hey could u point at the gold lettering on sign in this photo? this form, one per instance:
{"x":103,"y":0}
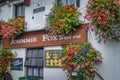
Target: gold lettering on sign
{"x":53,"y":58}
{"x":47,"y":55}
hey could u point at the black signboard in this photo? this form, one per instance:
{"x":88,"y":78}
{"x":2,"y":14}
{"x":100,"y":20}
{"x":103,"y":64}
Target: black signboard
{"x":53,"y":58}
{"x":2,"y":1}
{"x":40,"y":9}
{"x":17,"y":64}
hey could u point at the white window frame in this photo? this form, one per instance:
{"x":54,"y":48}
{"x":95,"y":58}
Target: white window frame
{"x":67,"y":2}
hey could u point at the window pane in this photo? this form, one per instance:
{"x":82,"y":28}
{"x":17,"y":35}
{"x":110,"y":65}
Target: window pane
{"x":36,"y":72}
{"x":40,"y":53}
{"x":41,"y":72}
{"x":70,"y":2}
{"x":29,"y":71}
{"x":64,"y":2}
{"x":33,"y":62}
{"x":34,"y":58}
{"x":78,"y":3}
{"x":20,"y":10}
{"x":29,"y":53}
{"x":40,"y":62}
{"x":28,"y":62}
{"x":35,"y":53}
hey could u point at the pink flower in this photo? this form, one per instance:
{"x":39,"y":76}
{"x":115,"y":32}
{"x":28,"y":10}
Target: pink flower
{"x":104,"y":27}
{"x":9,"y":27}
{"x":75,"y":52}
{"x":82,"y":66}
{"x":78,"y":67}
{"x":83,"y":58}
{"x":99,"y":61}
{"x":88,"y":73}
{"x":91,"y":63}
{"x":88,"y":18}
{"x":106,"y":12}
{"x":89,"y":11}
{"x":113,"y":15}
{"x":75,"y":65}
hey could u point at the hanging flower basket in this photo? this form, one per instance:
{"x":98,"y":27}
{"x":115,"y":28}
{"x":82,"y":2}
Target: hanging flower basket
{"x":105,"y":18}
{"x":81,"y":58}
{"x":12,"y":28}
{"x":62,"y":18}
{"x":6,"y":57}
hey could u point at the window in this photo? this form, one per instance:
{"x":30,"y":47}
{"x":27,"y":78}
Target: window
{"x":70,"y":2}
{"x":19,"y":10}
{"x":34,"y":63}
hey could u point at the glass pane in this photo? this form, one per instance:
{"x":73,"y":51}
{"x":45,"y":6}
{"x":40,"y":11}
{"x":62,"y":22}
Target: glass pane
{"x":34,"y":58}
{"x":40,"y":53}
{"x":33,"y":62}
{"x":29,"y":71}
{"x":64,"y":2}
{"x":29,"y":53}
{"x":28,"y":62}
{"x":35,"y":53}
{"x":36,"y":62}
{"x":22,"y":10}
{"x":18,"y":11}
{"x":41,"y":72}
{"x":36,"y":72}
{"x":70,"y":2}
{"x":39,"y":62}
{"x":78,"y":3}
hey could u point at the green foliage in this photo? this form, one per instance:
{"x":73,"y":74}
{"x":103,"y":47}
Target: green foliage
{"x":62,"y":18}
{"x":6,"y":57}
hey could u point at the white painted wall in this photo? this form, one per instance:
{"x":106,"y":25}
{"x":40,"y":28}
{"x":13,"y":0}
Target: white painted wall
{"x":110,"y":68}
{"x":21,"y":52}
{"x":39,"y":21}
{"x":5,"y":13}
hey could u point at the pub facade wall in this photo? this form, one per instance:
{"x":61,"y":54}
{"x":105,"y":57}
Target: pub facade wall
{"x":109,"y":69}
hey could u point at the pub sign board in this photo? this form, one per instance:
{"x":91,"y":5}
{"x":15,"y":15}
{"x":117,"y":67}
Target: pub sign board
{"x":44,"y":38}
{"x":53,"y":58}
{"x":17,"y":64}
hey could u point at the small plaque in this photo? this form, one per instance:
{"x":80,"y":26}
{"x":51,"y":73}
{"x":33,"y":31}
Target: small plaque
{"x":40,"y":9}
{"x":17,"y":64}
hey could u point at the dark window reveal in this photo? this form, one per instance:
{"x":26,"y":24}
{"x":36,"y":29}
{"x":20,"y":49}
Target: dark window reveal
{"x":19,"y":10}
{"x":2,"y":1}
